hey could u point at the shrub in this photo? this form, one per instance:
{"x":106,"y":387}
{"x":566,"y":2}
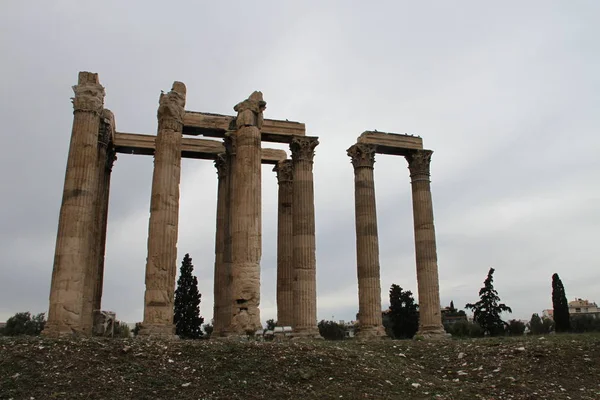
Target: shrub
{"x":515,"y":327}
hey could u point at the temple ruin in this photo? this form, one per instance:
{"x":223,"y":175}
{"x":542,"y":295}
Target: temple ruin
{"x":234,"y":143}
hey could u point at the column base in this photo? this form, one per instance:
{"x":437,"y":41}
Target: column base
{"x":371,"y":333}
{"x":432,"y":333}
{"x":158,"y":331}
{"x":57,"y":330}
{"x":306,"y":334}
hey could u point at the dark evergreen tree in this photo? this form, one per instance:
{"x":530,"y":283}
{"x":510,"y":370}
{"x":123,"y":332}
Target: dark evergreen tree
{"x":23,"y":323}
{"x":486,"y":312}
{"x":562,"y":322}
{"x":331,"y":330}
{"x":404,"y":313}
{"x":186,"y":317}
{"x":452,"y":309}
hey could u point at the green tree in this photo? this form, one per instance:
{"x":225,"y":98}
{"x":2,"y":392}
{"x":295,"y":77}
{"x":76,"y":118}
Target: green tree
{"x":515,"y":327}
{"x":403,"y":314}
{"x":136,"y":328}
{"x":486,"y":312}
{"x":23,"y":323}
{"x":271,"y":324}
{"x":208,"y":330}
{"x":331,"y":330}
{"x":186,"y":317}
{"x":539,"y":326}
{"x":560,"y":305}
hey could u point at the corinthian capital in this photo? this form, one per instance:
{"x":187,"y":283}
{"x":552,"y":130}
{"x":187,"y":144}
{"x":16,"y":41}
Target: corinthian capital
{"x":284,"y":170}
{"x":89,"y":94}
{"x":171,"y":108}
{"x":303,"y":148}
{"x":250,"y":111}
{"x":222,"y":165}
{"x":363,"y":155}
{"x":418,"y":164}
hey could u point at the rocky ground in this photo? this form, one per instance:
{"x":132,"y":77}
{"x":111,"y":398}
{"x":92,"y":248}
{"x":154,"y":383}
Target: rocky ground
{"x":551,"y":367}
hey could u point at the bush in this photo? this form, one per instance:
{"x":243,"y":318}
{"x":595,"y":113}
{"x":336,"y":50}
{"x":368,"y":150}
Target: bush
{"x":540,"y":326}
{"x":23,"y":323}
{"x":515,"y":327}
{"x":331,"y":330}
{"x":464,"y":329}
{"x":585,"y":323}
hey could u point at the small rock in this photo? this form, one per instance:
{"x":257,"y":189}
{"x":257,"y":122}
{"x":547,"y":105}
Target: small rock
{"x":186,"y":384}
{"x":386,"y":381}
{"x":416,"y":385}
{"x":520,"y":348}
{"x":461,"y":355}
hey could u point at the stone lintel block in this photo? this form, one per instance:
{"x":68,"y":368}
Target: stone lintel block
{"x":86,"y":77}
{"x":217,"y":125}
{"x":391,"y":143}
{"x":207,"y":149}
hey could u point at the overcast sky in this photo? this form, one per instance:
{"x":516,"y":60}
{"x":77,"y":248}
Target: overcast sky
{"x":506,"y":94}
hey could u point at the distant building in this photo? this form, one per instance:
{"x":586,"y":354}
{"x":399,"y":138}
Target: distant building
{"x":577,"y":307}
{"x":584,"y":307}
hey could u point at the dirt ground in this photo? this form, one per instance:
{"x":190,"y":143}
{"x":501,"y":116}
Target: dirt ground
{"x":551,"y":367}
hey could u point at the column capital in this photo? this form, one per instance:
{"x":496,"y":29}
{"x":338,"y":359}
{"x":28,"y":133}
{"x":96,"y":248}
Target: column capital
{"x":418,"y":164}
{"x":362,"y":154}
{"x":250,"y":111}
{"x":284,"y":170}
{"x":229,"y":141}
{"x":89,"y":94}
{"x":171,"y":108}
{"x":222,"y":165}
{"x":303,"y":148}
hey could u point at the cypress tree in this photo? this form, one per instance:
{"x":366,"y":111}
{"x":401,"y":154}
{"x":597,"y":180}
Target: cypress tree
{"x":486,"y":312}
{"x":560,"y":306}
{"x":186,"y":316}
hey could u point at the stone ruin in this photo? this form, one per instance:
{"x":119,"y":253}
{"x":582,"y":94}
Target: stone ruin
{"x":234,"y":143}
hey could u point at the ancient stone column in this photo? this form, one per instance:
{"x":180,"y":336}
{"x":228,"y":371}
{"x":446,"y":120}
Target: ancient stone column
{"x":303,"y":220}
{"x":106,"y":158}
{"x":285,"y":244}
{"x":161,"y":264}
{"x":224,"y":328}
{"x":367,"y":243}
{"x":221,"y":273}
{"x":430,"y":318}
{"x":75,"y":240}
{"x":246,"y":216}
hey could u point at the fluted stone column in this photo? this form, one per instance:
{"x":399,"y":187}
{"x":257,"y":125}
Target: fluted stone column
{"x":367,"y":243}
{"x":303,"y":220}
{"x":161,"y":264}
{"x":221,"y":273}
{"x":246,"y":216}
{"x":75,"y":240}
{"x":226,"y":312}
{"x":285,"y":244}
{"x":106,"y":158}
{"x":430,"y":318}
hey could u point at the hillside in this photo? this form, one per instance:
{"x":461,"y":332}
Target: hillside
{"x":551,"y":367}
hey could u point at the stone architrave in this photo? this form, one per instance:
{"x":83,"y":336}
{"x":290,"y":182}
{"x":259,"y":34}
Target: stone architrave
{"x":161,"y":264}
{"x":75,"y":240}
{"x":285,"y":244}
{"x":246,"y":217}
{"x":303,"y":220}
{"x":106,"y":158}
{"x":367,"y":243}
{"x":221,"y":272}
{"x":430,"y":318}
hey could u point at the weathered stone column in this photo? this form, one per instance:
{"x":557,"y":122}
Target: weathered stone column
{"x":367,"y":243}
{"x":246,"y":216}
{"x":430,"y":318}
{"x":221,"y":273}
{"x":161,"y":264}
{"x":303,"y":220}
{"x":226,"y":313}
{"x":106,"y":158}
{"x":76,"y":225}
{"x":285,"y":244}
